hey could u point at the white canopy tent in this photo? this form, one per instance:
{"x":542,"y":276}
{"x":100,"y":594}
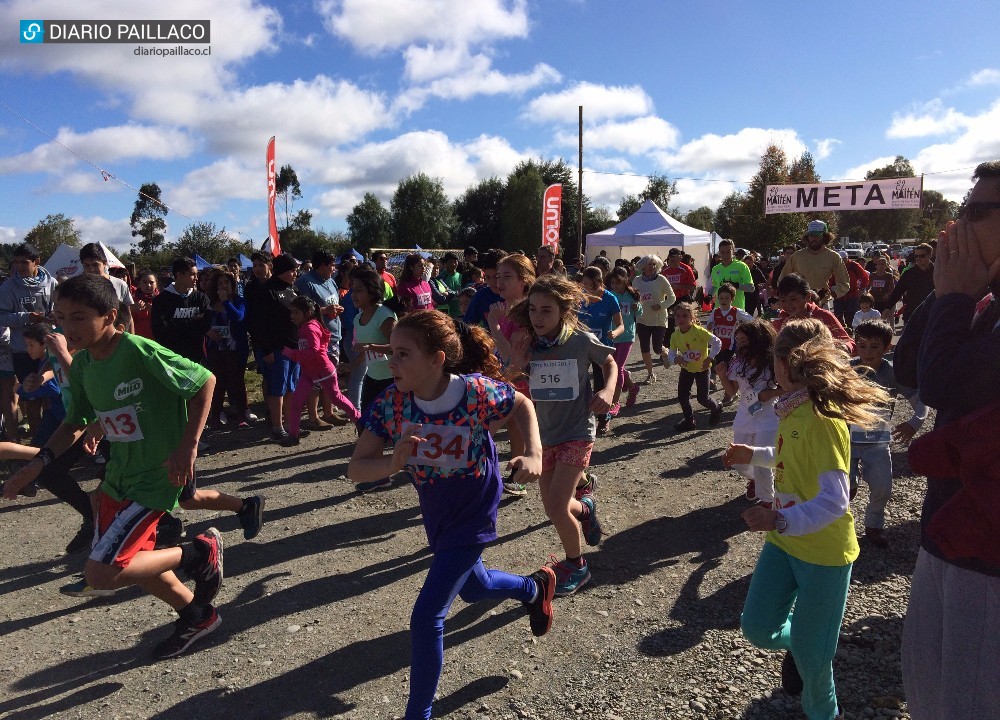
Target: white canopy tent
{"x":650,"y":231}
{"x":65,"y":261}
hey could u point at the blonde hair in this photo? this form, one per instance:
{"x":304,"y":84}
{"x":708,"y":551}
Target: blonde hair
{"x":568,"y":296}
{"x":835,"y":389}
{"x":522,"y":266}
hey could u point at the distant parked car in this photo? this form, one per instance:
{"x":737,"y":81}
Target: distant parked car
{"x":878,"y":249}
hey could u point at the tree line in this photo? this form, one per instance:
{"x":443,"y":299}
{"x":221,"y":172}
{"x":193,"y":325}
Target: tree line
{"x":506,"y":213}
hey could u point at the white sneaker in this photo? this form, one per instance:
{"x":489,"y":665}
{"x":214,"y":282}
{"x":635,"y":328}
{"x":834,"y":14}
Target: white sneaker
{"x":250,"y":417}
{"x":223,"y":420}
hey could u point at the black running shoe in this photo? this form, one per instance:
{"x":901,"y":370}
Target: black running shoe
{"x":791,"y":681}
{"x":715,"y":416}
{"x":169,"y":531}
{"x":251,"y":516}
{"x":685,"y":425}
{"x":186,"y":633}
{"x":540,"y":609}
{"x":208,"y":577}
{"x":83,"y":539}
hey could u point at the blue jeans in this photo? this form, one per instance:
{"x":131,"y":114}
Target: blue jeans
{"x":873,"y":464}
{"x":453,"y":572}
{"x":811,"y":632}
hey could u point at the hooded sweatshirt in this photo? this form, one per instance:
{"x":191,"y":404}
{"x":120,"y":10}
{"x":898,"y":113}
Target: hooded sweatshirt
{"x":311,"y":353}
{"x":181,"y":321}
{"x":20,"y":296}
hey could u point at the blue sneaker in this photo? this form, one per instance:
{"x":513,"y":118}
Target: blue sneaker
{"x":569,"y":578}
{"x":591,"y":525}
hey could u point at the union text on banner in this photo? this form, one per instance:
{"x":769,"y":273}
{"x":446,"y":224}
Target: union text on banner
{"x":273,"y":243}
{"x":551,"y":215}
{"x":888,"y":194}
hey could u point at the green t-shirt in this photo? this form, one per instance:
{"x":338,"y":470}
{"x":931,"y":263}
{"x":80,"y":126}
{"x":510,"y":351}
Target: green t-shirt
{"x":452,"y":281}
{"x":809,"y":445}
{"x":736,"y":273}
{"x":139,"y":395}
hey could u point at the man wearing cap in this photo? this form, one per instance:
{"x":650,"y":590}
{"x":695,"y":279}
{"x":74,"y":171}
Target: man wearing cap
{"x":817,"y":263}
{"x":846,"y":305}
{"x":731,"y":270}
{"x":277,"y":331}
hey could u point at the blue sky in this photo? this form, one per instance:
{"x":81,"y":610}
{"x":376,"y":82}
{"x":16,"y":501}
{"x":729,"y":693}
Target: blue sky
{"x":361,"y":93}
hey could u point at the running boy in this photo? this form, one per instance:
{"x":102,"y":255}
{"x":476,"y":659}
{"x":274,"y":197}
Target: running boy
{"x":722,"y":321}
{"x":870,"y":456}
{"x":152,"y":404}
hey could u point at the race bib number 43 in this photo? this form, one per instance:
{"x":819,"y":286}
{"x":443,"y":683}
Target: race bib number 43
{"x":444,"y":446}
{"x":121,"y":425}
{"x":554,"y":380}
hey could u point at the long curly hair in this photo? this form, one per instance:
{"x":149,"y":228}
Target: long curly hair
{"x":836,"y":390}
{"x":567,"y":295}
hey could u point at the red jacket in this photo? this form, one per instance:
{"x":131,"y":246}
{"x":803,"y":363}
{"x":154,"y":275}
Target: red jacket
{"x":826,"y":317}
{"x":314,"y":339}
{"x":967,"y":525}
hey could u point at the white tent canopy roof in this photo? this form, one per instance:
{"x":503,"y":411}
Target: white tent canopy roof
{"x":649,"y":230}
{"x":65,"y":261}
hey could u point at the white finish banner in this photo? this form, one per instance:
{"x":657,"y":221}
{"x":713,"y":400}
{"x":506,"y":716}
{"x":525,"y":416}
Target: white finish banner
{"x":889,"y":194}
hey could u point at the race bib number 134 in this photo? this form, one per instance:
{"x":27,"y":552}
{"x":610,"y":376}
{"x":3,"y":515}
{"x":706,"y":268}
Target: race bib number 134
{"x":444,"y":446}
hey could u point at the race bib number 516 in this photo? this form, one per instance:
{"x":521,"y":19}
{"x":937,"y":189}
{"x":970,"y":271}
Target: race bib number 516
{"x":444,"y":446}
{"x":121,"y":425}
{"x":554,"y":380}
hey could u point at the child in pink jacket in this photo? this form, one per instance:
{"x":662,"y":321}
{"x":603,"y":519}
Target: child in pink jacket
{"x":317,"y":368}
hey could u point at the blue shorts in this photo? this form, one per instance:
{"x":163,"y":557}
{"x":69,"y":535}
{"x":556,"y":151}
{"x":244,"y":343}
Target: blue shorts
{"x":280,"y":376}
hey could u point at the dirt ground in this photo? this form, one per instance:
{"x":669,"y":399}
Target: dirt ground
{"x":316,"y":609}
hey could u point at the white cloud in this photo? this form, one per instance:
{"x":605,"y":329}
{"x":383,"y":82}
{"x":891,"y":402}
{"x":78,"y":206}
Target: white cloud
{"x":477,"y":78}
{"x":305,"y":115}
{"x":378,"y":167}
{"x":986,"y":76}
{"x":207,"y":188}
{"x":83,"y":183}
{"x":378,"y":25}
{"x":10,"y":235}
{"x":949,"y":164}
{"x":693,"y":194}
{"x":737,"y":155}
{"x":102,"y":146}
{"x":634,"y":136}
{"x":115,"y":233}
{"x":610,"y":163}
{"x":933,"y":118}
{"x":608,"y":190}
{"x":824,"y":147}
{"x":600,"y":102}
{"x":858,"y":172}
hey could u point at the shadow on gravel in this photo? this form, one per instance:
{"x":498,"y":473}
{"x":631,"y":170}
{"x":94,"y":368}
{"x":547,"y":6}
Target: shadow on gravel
{"x":65,"y":704}
{"x":314,"y":688}
{"x":696,"y":615}
{"x":643,"y":549}
{"x":473,"y":692}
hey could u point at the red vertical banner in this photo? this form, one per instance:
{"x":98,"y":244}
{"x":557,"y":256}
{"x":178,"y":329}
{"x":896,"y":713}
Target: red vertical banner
{"x":273,"y":242}
{"x":551,"y":216}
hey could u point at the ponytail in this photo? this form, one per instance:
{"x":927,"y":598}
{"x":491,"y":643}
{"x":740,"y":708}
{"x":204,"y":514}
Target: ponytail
{"x":467,"y":349}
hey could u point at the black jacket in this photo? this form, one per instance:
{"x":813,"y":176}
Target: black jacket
{"x":181,"y":321}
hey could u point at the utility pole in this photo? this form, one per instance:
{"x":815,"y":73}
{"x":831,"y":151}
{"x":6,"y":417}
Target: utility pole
{"x":580,"y":247}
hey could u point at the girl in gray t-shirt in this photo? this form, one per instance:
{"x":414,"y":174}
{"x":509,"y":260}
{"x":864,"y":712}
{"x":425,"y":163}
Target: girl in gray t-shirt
{"x":558,"y":363}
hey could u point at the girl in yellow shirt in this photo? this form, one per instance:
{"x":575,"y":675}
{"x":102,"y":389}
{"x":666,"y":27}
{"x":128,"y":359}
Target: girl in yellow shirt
{"x":811,"y":545}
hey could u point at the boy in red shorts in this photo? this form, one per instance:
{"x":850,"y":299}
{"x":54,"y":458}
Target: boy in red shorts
{"x":152,"y":405}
